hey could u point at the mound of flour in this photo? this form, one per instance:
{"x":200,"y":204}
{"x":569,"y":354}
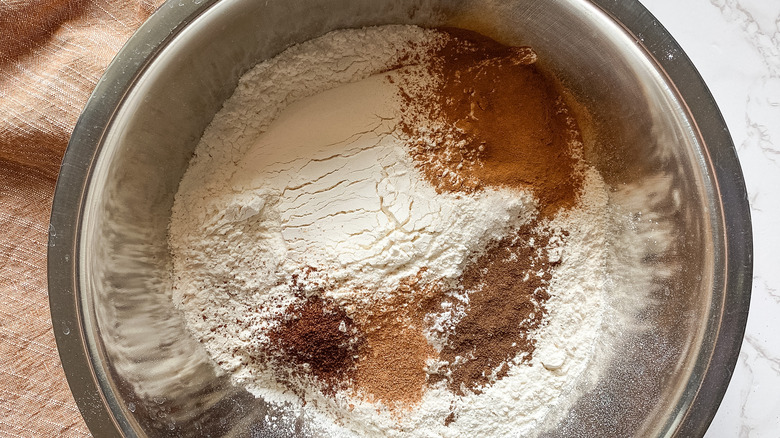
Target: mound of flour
{"x":304,"y":170}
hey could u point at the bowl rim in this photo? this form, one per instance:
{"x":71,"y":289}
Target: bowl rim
{"x":100,"y":410}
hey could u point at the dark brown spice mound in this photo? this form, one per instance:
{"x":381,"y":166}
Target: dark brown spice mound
{"x":319,"y":337}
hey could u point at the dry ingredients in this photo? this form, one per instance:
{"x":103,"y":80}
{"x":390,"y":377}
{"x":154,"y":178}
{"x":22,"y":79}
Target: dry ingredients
{"x":393,"y":231}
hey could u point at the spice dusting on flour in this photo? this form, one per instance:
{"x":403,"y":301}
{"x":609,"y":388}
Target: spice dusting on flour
{"x":382,"y":228}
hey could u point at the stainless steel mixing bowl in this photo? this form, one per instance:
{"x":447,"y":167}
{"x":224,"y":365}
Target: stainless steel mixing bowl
{"x":656,"y":135}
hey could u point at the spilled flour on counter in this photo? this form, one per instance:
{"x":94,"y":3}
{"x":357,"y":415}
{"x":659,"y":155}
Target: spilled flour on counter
{"x":375,"y":234}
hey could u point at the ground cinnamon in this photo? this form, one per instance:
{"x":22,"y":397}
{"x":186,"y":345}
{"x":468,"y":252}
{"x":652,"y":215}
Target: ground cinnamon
{"x":491,"y":118}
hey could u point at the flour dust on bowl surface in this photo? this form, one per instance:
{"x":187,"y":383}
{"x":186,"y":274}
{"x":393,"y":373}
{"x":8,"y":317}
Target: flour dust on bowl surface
{"x":400,"y":219}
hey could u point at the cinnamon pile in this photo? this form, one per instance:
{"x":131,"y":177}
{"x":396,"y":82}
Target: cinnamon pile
{"x":492,"y":118}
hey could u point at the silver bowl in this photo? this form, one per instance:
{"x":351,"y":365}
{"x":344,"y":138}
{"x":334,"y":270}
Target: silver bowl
{"x":656,"y":136}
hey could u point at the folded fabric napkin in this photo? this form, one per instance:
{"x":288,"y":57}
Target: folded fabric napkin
{"x":52,"y":53}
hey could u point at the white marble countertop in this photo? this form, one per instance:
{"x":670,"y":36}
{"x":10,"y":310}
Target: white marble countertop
{"x":735,"y":44}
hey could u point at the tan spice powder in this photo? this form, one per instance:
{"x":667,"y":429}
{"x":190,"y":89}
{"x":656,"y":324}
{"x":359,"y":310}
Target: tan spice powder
{"x":392,"y":360}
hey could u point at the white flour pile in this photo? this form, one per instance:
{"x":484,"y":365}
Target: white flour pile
{"x":304,"y":185}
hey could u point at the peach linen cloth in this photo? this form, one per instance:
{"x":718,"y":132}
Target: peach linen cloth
{"x":52,"y":53}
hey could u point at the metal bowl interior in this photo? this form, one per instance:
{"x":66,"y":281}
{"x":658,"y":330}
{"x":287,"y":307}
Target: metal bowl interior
{"x":654,"y":133}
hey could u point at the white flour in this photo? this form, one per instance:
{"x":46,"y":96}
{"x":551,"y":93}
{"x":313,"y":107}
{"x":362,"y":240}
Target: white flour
{"x":304,"y":168}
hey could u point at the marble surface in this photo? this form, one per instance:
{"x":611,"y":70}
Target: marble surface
{"x":735,"y":44}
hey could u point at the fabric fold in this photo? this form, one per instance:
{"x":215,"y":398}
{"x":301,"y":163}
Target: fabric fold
{"x":52,"y":54}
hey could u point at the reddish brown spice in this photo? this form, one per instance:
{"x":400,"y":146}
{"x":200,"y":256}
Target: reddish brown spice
{"x":491,"y":118}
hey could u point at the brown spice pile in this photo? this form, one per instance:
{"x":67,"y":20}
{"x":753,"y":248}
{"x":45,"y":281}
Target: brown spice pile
{"x":391,"y":367}
{"x":317,"y":336}
{"x":507,"y":289}
{"x":491,"y":118}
